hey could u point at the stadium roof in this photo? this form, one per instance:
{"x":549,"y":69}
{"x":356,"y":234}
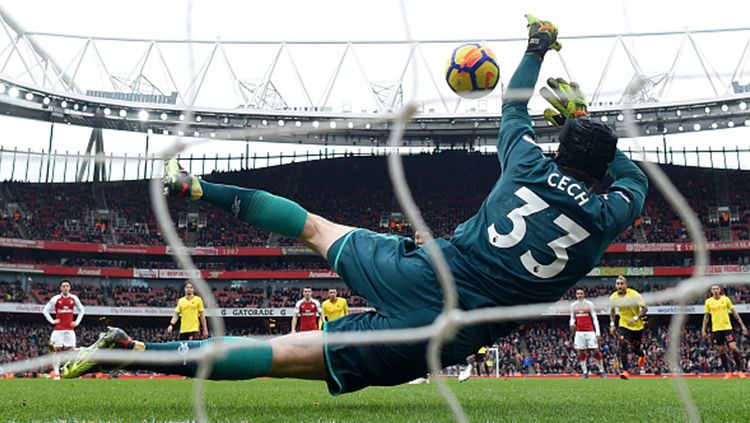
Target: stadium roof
{"x":339,"y":73}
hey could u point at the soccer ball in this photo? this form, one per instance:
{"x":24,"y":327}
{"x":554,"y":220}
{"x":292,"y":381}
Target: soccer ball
{"x":472,"y":71}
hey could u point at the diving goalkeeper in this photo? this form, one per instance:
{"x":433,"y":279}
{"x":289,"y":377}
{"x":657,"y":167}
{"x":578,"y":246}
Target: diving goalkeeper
{"x":540,"y":230}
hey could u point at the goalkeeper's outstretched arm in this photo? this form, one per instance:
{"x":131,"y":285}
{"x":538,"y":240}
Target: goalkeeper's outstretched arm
{"x":516,"y":121}
{"x":542,"y":38}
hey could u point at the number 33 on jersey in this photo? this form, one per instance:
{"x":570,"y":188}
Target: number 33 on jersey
{"x":539,"y":231}
{"x":534,"y":204}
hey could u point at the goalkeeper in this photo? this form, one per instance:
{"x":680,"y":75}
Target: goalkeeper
{"x":539,"y":231}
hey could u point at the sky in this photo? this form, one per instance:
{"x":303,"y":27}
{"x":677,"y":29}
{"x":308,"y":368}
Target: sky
{"x":363,"y":20}
{"x":286,"y":20}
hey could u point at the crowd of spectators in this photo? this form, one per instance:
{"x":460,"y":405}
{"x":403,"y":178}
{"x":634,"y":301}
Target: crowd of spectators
{"x":148,"y":296}
{"x":237,"y":297}
{"x":233,"y":263}
{"x":21,"y":341}
{"x":234,"y":297}
{"x":352,"y":191}
{"x":136,"y":296}
{"x":12,"y":292}
{"x":666,"y":260}
{"x":88,"y":294}
{"x":279,"y":296}
{"x":251,"y":263}
{"x":737,"y":294}
{"x":547,"y":348}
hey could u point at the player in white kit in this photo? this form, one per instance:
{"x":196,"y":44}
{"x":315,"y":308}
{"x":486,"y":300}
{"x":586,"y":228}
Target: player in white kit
{"x":63,"y":336}
{"x":584,"y":323}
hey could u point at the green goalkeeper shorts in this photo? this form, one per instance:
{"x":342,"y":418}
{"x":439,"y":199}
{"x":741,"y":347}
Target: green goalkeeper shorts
{"x":397,"y":279}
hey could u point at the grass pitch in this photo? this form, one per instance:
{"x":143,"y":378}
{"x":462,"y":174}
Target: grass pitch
{"x":265,"y":400}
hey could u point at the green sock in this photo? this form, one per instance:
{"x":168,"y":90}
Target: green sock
{"x":251,"y":361}
{"x":258,"y":208}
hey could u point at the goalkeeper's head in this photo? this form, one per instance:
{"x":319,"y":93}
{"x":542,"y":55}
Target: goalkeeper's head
{"x":586,"y":149}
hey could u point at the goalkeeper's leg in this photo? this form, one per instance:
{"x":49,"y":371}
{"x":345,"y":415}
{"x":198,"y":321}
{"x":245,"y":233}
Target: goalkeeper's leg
{"x":258,"y":208}
{"x":299,"y":356}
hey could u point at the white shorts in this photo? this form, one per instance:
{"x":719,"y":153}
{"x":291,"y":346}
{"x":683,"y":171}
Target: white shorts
{"x":586,"y":341}
{"x":63,"y":339}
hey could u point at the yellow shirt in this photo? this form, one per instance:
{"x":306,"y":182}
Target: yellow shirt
{"x":719,"y":310}
{"x":333,"y":311}
{"x":188,"y":311}
{"x":628,"y":312}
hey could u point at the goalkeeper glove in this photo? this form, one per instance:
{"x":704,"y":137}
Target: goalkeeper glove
{"x":178,"y":183}
{"x":567,"y":98}
{"x":542,"y":37}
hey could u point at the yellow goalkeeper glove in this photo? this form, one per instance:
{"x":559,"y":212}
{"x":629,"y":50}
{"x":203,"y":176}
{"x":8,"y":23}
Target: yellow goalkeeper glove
{"x":542,"y":36}
{"x":567,"y":98}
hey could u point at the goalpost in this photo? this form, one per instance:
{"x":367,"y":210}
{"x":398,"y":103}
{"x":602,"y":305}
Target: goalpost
{"x":495,"y":354}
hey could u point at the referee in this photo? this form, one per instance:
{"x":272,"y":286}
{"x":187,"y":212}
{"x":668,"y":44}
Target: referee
{"x":190,"y":308}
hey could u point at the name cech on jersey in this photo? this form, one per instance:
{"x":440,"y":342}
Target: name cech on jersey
{"x":574,"y":190}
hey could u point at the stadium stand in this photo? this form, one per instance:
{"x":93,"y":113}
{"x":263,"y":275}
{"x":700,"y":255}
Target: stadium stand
{"x":233,"y":263}
{"x":291,"y":264}
{"x":117,"y":215}
{"x":270,"y":294}
{"x":316,"y":263}
{"x":91,"y":295}
{"x":46,"y":211}
{"x":11,"y":292}
{"x":537,"y":350}
{"x":167,"y":296}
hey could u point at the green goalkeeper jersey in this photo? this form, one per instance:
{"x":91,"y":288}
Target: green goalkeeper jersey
{"x":540,"y":231}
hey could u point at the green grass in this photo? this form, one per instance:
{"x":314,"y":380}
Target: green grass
{"x":485,"y":400}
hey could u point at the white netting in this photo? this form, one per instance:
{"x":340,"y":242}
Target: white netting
{"x":451,"y":319}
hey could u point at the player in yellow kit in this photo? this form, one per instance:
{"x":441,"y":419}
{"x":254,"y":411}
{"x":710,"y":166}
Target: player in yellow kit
{"x":631,"y":307}
{"x":334,"y":307}
{"x":193,"y":317}
{"x":717,"y":309}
